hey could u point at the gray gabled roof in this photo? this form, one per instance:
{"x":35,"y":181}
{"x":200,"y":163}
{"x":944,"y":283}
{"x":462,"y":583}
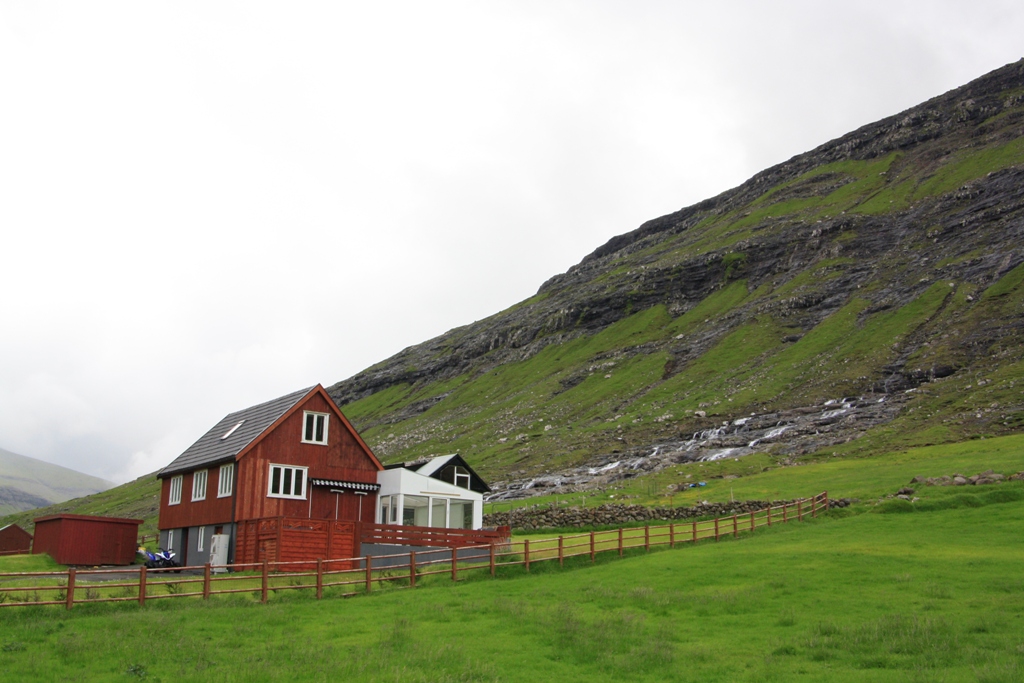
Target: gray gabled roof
{"x":434,"y":464}
{"x":212,"y":448}
{"x":431,"y":467}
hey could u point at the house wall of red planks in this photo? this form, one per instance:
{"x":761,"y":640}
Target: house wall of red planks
{"x":342,"y":458}
{"x":188,"y":512}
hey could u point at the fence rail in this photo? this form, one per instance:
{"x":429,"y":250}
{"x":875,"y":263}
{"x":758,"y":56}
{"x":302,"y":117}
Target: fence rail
{"x":431,"y":536}
{"x":357,"y":575}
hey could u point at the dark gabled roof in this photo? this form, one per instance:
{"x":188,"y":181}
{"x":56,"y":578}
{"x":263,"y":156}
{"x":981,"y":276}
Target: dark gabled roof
{"x":212,"y":448}
{"x":431,"y":467}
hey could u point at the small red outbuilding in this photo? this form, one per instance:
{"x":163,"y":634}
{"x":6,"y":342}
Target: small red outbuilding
{"x":14,"y":540}
{"x":79,"y":539}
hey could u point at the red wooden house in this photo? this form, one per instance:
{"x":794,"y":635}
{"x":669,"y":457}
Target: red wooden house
{"x":284,"y":480}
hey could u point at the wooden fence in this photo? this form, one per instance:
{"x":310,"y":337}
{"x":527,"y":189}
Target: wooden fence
{"x":398,"y":534}
{"x":356,"y":575}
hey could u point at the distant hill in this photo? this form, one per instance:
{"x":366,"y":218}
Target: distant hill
{"x":139,"y":499}
{"x":27,"y":483}
{"x":885,"y":267}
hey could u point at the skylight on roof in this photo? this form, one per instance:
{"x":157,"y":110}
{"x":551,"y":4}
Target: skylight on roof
{"x":232,"y":430}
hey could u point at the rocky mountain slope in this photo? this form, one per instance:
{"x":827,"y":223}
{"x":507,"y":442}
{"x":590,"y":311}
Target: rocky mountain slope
{"x":867,"y":294}
{"x":27,"y":483}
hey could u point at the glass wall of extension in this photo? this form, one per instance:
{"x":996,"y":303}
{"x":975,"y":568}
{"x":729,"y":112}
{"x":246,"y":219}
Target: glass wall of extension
{"x":433,"y":511}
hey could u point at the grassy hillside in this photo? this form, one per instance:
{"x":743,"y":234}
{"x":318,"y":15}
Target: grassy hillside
{"x":877,"y":264}
{"x":597,"y":393}
{"x":26,"y":483}
{"x":934,"y":595}
{"x":866,"y":478}
{"x":139,"y":499}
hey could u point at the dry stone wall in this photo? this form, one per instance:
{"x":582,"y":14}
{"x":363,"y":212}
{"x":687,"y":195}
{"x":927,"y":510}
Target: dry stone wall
{"x":612,"y":514}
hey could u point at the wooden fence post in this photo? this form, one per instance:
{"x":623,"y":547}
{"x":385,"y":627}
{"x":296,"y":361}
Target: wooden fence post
{"x":266,"y":580}
{"x":825,"y":494}
{"x":492,"y":559}
{"x":799,"y":511}
{"x":647,"y":537}
{"x":412,"y":568}
{"x":620,"y":541}
{"x":592,"y":548}
{"x":735,"y":526}
{"x":206,"y":582}
{"x":69,"y":598}
{"x":814,"y":506}
{"x":142,"y":585}
{"x":319,"y":578}
{"x":671,"y":535}
{"x":369,"y":573}
{"x":753,"y":523}
{"x":695,"y":532}
{"x":455,"y":564}
{"x":561,"y":552}
{"x":526,"y":553}
{"x":769,"y":514}
{"x":785,"y":512}
{"x":716,"y":528}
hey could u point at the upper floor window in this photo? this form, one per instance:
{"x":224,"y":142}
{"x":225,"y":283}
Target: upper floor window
{"x":199,"y":485}
{"x":175,"y":495}
{"x":226,"y":480}
{"x":287,"y":481}
{"x":315,"y":427}
{"x":456,"y":474}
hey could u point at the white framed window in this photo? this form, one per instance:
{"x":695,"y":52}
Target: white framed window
{"x":314,"y":427}
{"x":201,"y":539}
{"x":199,"y":485}
{"x":174,"y":497}
{"x":170,"y":539}
{"x":226,"y":480}
{"x":287,"y":481}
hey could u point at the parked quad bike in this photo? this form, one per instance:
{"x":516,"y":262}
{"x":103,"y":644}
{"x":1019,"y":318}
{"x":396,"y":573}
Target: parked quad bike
{"x":161,"y":559}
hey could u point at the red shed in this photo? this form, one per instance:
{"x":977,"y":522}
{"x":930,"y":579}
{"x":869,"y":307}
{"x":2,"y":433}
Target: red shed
{"x":14,"y":540}
{"x":79,"y":539}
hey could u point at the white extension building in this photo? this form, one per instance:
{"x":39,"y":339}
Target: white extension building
{"x":441,"y":492}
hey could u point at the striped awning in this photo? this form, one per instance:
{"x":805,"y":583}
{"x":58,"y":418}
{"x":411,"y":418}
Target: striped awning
{"x":353,"y":485}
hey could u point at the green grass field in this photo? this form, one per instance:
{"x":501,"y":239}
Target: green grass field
{"x":860,"y":595}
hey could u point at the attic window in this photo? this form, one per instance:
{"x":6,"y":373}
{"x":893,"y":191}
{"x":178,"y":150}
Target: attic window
{"x":314,"y":428}
{"x":232,"y":430}
{"x":456,"y":474}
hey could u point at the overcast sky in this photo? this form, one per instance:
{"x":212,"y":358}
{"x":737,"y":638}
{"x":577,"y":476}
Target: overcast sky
{"x":206,"y":205}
